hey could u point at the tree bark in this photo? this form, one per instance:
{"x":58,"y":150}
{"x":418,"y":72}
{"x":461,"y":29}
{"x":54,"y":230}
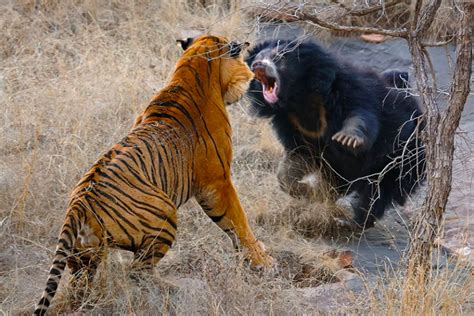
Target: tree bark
{"x":439,"y":138}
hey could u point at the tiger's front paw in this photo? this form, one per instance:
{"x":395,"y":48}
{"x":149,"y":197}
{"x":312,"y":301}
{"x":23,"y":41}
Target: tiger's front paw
{"x":258,"y":258}
{"x":348,"y":139}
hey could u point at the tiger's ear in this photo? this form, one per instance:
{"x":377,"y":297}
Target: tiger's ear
{"x":185,"y":43}
{"x":236,"y":48}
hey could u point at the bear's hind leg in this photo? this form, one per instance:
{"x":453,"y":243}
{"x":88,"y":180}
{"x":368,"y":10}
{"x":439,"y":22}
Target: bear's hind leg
{"x":370,"y":205}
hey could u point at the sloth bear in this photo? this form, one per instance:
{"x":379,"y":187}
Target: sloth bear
{"x":360,"y":129}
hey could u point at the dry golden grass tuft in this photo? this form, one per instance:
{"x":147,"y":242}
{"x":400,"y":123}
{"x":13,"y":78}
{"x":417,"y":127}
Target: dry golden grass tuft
{"x":73,"y":76}
{"x":449,"y":292}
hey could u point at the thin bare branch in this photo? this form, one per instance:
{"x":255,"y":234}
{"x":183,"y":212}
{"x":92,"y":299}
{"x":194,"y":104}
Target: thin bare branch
{"x":369,"y":10}
{"x":432,"y":69}
{"x":427,"y":16}
{"x":438,"y":44}
{"x":460,"y":87}
{"x":416,"y":14}
{"x":313,"y":19}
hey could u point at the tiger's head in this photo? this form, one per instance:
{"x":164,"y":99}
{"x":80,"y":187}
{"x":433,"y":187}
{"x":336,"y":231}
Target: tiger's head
{"x":225,"y":60}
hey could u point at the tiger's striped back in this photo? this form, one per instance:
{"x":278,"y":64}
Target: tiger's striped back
{"x":151,"y":156}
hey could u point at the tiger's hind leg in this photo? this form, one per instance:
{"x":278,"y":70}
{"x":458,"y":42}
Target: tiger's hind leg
{"x":153,"y":249}
{"x":157,"y":240}
{"x":85,"y":259}
{"x":83,"y":264}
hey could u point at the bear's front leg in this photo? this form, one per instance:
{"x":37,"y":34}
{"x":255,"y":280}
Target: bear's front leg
{"x":292,"y":172}
{"x":358,"y":133}
{"x":221,"y":203}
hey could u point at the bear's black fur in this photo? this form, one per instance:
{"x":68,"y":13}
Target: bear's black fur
{"x":353,"y":124}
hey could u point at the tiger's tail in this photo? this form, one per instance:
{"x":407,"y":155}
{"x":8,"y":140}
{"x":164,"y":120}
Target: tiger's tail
{"x":67,"y":238}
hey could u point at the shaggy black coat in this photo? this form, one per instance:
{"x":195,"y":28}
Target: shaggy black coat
{"x":358,"y":126}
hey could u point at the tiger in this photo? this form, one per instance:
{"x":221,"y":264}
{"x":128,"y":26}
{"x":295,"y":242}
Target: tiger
{"x":179,"y":147}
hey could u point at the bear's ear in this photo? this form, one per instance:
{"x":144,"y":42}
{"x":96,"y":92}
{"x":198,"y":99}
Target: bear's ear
{"x":236,"y":48}
{"x":185,"y":43}
{"x":396,"y":78}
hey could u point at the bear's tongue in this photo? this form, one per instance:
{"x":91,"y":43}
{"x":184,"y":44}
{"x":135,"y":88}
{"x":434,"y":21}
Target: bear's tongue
{"x":270,"y":92}
{"x":269,"y":85}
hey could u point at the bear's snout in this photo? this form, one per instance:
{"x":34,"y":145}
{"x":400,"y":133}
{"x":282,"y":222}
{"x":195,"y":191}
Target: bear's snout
{"x":257,"y":64}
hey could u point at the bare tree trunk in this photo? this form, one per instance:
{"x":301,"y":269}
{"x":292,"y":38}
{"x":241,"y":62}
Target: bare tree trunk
{"x":439,"y":138}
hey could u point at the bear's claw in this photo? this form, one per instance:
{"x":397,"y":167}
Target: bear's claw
{"x":348,"y":140}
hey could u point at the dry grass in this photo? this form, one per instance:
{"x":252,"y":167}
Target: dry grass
{"x":449,"y":292}
{"x":73,"y":75}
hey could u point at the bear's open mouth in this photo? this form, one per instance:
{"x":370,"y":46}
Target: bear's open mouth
{"x":269,"y":84}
